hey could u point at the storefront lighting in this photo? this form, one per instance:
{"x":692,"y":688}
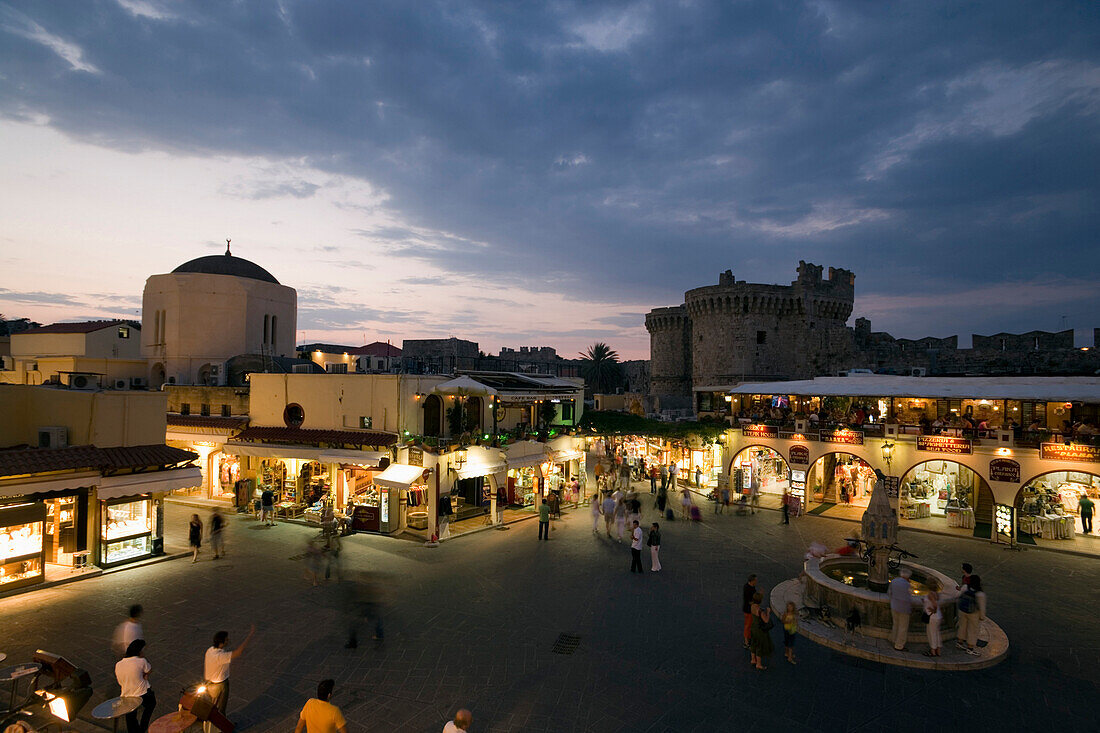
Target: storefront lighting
{"x":460,"y":457}
{"x":1004,"y":452}
{"x":729,"y":398}
{"x":887,"y":453}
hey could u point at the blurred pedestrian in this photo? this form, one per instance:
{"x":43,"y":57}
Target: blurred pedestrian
{"x":673,"y":472}
{"x":933,"y":617}
{"x":594,"y":508}
{"x":215,"y":669}
{"x":685,"y":503}
{"x":319,"y":715}
{"x":786,"y":506}
{"x":462,"y":721}
{"x":790,"y":630}
{"x":132,"y":673}
{"x":664,"y":476}
{"x":620,"y":518}
{"x":194,"y":537}
{"x":608,"y":511}
{"x":217,"y":533}
{"x":636,"y":548}
{"x":654,"y":543}
{"x":653,"y":479}
{"x":754,"y":494}
{"x":313,"y":561}
{"x":901,"y":607}
{"x":128,"y":631}
{"x":971,"y":607}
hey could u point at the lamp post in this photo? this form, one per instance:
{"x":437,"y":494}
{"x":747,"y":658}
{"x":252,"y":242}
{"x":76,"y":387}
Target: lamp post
{"x":887,"y":454}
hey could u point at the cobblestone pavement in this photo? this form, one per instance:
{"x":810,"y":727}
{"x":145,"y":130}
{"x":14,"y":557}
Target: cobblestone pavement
{"x":473,"y":622}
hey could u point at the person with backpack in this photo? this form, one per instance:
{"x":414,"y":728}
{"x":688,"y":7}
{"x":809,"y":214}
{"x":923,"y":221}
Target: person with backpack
{"x":971,"y":607}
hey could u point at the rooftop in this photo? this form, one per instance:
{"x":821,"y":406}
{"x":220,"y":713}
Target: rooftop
{"x":19,"y":461}
{"x":1052,"y":389}
{"x":227,"y":264}
{"x":81,"y":327}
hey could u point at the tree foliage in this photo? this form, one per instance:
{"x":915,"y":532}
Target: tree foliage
{"x":604,"y":422}
{"x":600,"y":368}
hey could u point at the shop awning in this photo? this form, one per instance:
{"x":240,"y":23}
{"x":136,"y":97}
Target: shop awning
{"x":483,"y":469}
{"x":568,"y":455}
{"x":399,"y":476}
{"x":25,"y":488}
{"x":534,"y":459}
{"x":273,"y":450}
{"x":362,"y":457}
{"x":113,"y":487}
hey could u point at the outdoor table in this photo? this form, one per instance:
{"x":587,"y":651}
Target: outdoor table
{"x":11,"y":676}
{"x":115,"y":708}
{"x":3,"y":656}
{"x":1029,"y":524}
{"x":175,"y":722}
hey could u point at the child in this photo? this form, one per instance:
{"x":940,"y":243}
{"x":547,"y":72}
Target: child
{"x":790,"y":628}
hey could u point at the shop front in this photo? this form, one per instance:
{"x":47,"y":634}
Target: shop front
{"x":940,"y":489}
{"x":762,"y":466}
{"x":129,"y":530}
{"x":841,"y":478}
{"x":22,"y":544}
{"x":392,"y":500}
{"x":1050,"y":504}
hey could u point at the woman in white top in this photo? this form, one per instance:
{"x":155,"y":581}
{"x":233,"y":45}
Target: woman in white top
{"x":594,"y":507}
{"x":935,"y":618}
{"x":685,"y":502}
{"x":132,"y":673}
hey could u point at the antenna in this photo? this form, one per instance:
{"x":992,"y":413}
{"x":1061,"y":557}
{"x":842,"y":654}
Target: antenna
{"x":227,"y":252}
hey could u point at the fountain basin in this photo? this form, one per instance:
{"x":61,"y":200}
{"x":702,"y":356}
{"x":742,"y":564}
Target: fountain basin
{"x":840,"y":583}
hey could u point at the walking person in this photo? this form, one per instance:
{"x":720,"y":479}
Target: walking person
{"x":662,"y":500}
{"x":1085,"y":507}
{"x":217,"y":534}
{"x":132,"y":673}
{"x":636,"y":548}
{"x":194,"y":537}
{"x":319,"y":715}
{"x":128,"y":631}
{"x":747,"y":592}
{"x":654,"y":542}
{"x":594,"y":507}
{"x":971,"y":607}
{"x":608,"y":511}
{"x":215,"y":669}
{"x":754,"y":493}
{"x":790,"y":630}
{"x":620,"y":518}
{"x":724,"y":496}
{"x":267,"y":507}
{"x":901,"y":607}
{"x":760,"y":638}
{"x":664,"y":477}
{"x":698,"y":477}
{"x":933,"y":618}
{"x":544,"y":520}
{"x":685,"y":503}
{"x":786,"y":506}
{"x":653,"y":479}
{"x":673,"y":472}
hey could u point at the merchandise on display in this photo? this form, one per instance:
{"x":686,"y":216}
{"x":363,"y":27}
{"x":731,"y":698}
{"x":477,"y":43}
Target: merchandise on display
{"x":127,"y":520}
{"x":20,"y":540}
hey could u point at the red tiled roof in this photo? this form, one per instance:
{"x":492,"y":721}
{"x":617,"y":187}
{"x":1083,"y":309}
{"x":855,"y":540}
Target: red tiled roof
{"x":332,"y":437}
{"x":235,"y":422}
{"x":378,"y":348}
{"x":82,"y":327}
{"x":43,"y":460}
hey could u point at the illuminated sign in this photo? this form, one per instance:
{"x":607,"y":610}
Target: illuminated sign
{"x":1066,"y":452}
{"x":1003,"y":516}
{"x":1004,"y":469}
{"x":385,"y":506}
{"x":416,"y":457}
{"x":844,"y":437}
{"x":800,"y":455}
{"x":760,"y":431}
{"x":944,"y":444}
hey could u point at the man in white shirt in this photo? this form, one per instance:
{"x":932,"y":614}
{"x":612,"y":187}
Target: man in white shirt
{"x":901,"y":607}
{"x":636,"y":549}
{"x":132,"y":673}
{"x":463,"y":719}
{"x":215,"y":668}
{"x":128,"y":631}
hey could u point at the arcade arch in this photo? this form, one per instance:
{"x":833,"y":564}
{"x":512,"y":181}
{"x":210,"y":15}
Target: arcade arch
{"x":1053,"y":494}
{"x":840,"y":478}
{"x":946,"y":492}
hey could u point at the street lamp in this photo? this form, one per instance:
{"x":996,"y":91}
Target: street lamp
{"x":887,"y":453}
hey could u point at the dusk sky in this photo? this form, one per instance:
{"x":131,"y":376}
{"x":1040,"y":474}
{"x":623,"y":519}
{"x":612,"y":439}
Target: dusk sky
{"x":545,"y":173}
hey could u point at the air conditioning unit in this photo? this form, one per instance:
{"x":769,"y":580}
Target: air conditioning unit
{"x":53,"y":437}
{"x":84,"y":382}
{"x":121,"y":384}
{"x":918,"y":372}
{"x":138,"y":383}
{"x":171,"y":380}
{"x":301,"y":369}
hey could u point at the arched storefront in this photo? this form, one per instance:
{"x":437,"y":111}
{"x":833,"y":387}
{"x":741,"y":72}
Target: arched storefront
{"x":945,"y":492}
{"x":760,"y":465}
{"x":1049,"y":505}
{"x":840,"y":478}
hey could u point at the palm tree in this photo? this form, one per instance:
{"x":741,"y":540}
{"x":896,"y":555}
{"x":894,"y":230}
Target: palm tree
{"x":600,"y":367}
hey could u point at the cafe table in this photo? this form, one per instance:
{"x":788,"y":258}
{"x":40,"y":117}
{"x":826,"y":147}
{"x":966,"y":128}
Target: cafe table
{"x":115,"y":708}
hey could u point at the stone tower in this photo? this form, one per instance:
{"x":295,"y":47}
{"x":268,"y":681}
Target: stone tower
{"x":880,"y":531}
{"x":669,"y":351}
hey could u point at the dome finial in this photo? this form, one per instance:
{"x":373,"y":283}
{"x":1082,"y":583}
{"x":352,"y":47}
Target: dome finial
{"x":227,"y":252}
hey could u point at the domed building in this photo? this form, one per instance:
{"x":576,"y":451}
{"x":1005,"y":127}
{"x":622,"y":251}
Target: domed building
{"x":207,"y":310}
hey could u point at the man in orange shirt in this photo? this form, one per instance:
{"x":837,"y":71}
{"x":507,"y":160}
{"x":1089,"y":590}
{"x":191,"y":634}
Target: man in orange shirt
{"x":321,"y":716}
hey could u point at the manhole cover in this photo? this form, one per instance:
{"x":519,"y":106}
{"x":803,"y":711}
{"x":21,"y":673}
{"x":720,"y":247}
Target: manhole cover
{"x":566,"y":644}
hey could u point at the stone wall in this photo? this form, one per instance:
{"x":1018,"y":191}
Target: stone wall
{"x":669,"y":351}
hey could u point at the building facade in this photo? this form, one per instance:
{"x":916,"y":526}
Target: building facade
{"x":109,"y":350}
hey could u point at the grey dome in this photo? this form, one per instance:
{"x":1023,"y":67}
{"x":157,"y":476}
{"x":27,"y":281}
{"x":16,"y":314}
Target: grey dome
{"x":227,"y":264}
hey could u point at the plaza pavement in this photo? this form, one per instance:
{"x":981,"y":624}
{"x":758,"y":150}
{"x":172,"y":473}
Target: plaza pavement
{"x":473,"y":622}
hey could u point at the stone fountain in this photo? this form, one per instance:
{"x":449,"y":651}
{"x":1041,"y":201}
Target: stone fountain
{"x":833,"y":586}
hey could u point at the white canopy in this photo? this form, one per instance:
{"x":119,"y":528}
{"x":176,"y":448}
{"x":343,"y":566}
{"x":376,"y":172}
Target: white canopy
{"x":464,"y":386}
{"x":399,"y":476}
{"x":1052,"y":389}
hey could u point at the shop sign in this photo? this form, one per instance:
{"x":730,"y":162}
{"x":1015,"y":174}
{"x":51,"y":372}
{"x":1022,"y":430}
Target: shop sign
{"x":844,"y":437}
{"x":365,"y":518}
{"x":944,"y":444}
{"x":800,"y":455}
{"x":416,"y":457}
{"x":892,"y":485}
{"x":760,"y":431}
{"x":1004,"y":469}
{"x":1067,"y":452}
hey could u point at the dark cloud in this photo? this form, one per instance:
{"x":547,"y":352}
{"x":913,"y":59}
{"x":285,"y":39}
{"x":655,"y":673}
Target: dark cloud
{"x":625,"y":152}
